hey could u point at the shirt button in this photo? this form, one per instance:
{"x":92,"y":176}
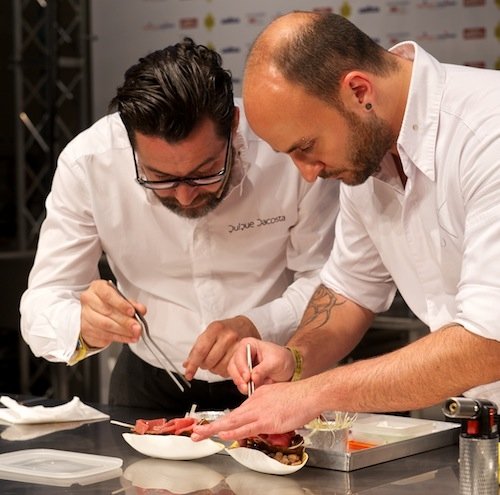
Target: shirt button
{"x":415,"y":127}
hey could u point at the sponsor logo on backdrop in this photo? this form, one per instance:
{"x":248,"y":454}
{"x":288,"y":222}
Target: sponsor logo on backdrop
{"x":231,"y":49}
{"x":474,"y":3}
{"x":445,"y":35}
{"x":436,"y":5}
{"x":158,"y":26}
{"x":398,"y":7}
{"x":369,"y":9}
{"x":394,"y":38}
{"x":209,"y":22}
{"x":323,"y":10}
{"x":474,"y":33}
{"x":257,"y":18}
{"x":188,"y":22}
{"x":230,"y":20}
{"x":346,"y":9}
{"x":497,"y":31}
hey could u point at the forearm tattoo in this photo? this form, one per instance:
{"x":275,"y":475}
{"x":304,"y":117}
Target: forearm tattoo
{"x":320,"y":307}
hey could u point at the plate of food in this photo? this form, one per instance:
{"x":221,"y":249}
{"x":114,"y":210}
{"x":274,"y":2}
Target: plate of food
{"x":170,"y":439}
{"x":271,"y":454}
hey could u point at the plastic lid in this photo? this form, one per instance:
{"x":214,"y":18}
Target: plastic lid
{"x":58,"y":467}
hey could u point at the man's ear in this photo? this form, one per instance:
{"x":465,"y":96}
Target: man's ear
{"x":357,"y":90}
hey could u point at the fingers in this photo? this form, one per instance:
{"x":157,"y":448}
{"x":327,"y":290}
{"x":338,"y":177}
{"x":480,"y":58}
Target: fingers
{"x":212,"y":350}
{"x":238,"y":367}
{"x":205,"y":431}
{"x":246,"y":420}
{"x":198,"y":354}
{"x":267,"y":411}
{"x":107,"y":317}
{"x":234,"y":426}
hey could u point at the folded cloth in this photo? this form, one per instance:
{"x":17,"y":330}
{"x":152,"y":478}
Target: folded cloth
{"x":75,"y":410}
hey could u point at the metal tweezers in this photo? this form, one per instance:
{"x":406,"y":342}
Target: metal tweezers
{"x":154,"y":348}
{"x":250,"y":384}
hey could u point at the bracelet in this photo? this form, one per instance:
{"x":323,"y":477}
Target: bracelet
{"x":82,"y":351}
{"x":298,"y":360}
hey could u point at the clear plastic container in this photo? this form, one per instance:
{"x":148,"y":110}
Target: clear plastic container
{"x":58,"y":467}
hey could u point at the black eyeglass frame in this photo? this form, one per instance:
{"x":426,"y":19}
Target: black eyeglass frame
{"x":208,"y":180}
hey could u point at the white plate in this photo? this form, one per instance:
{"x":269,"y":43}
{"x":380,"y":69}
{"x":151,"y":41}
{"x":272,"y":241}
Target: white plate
{"x":258,"y":461}
{"x":58,"y":467}
{"x":173,"y":447}
{"x":174,"y":476}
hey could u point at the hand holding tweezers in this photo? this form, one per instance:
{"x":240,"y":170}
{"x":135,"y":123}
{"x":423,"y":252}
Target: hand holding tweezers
{"x":153,"y":347}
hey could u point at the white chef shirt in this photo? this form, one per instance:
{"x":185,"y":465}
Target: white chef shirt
{"x":257,"y":254}
{"x":438,"y":239}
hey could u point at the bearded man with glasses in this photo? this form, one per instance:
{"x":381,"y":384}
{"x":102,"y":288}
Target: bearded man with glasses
{"x":211,"y":235}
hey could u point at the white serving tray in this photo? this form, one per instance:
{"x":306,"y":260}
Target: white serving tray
{"x":58,"y":467}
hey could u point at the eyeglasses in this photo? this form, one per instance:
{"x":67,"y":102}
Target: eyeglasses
{"x":191,"y":181}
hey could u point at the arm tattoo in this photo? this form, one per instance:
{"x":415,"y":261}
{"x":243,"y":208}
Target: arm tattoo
{"x":320,"y":307}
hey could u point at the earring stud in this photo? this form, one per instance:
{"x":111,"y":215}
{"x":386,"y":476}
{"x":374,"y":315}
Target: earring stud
{"x":368,"y":106}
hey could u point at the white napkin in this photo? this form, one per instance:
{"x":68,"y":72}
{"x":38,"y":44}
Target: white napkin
{"x":75,"y":410}
{"x":28,"y":432}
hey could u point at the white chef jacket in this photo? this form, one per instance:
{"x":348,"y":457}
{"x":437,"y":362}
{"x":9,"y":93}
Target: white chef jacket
{"x":437,"y":239}
{"x":258,"y":253}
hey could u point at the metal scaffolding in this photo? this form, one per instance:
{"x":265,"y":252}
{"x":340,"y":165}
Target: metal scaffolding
{"x":51,"y":71}
{"x":51,"y":86}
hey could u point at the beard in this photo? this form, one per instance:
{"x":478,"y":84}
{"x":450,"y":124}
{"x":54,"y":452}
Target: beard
{"x":368,"y":143}
{"x":205,"y":202}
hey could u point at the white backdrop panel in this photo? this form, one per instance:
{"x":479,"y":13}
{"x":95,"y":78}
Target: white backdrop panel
{"x":455,"y":31}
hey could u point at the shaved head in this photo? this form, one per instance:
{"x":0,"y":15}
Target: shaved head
{"x":314,"y":50}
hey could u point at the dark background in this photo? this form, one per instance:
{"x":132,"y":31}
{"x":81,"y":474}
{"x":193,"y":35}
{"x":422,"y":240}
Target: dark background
{"x":20,"y":371}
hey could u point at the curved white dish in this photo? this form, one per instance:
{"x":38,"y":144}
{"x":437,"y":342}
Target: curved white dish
{"x":173,"y":447}
{"x":258,"y":461}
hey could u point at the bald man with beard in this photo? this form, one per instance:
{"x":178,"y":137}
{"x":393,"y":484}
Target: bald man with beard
{"x":416,"y":146}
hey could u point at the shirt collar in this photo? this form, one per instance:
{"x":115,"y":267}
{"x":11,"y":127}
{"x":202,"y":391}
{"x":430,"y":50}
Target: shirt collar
{"x":241,"y":164}
{"x":417,"y":138}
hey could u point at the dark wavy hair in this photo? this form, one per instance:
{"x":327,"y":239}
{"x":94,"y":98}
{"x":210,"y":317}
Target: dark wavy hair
{"x":168,"y":92}
{"x":323,"y":50}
